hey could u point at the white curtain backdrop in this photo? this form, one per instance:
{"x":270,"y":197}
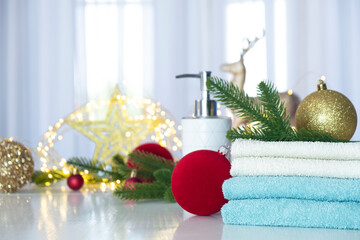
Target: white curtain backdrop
{"x":323,"y":39}
{"x":36,"y":66}
{"x":43,"y":71}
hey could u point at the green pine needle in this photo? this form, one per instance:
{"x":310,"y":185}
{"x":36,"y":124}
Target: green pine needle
{"x":118,"y":160}
{"x":269,"y":119}
{"x":141,"y":191}
{"x":150,"y":162}
{"x":86,"y":164}
{"x":238,"y":101}
{"x":43,"y":178}
{"x":275,"y":109}
{"x":313,"y":136}
{"x":168,"y":195}
{"x":163,"y":175}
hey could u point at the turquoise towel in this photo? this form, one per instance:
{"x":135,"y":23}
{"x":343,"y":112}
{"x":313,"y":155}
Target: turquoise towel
{"x":292,"y":213}
{"x":310,"y":188}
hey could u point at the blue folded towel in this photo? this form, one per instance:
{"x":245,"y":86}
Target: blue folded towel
{"x":311,"y":188}
{"x":292,"y":213}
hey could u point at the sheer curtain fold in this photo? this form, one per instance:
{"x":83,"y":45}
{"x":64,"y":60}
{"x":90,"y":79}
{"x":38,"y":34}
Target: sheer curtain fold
{"x":189,"y":37}
{"x":323,"y":39}
{"x":36,"y":66}
{"x":43,"y":55}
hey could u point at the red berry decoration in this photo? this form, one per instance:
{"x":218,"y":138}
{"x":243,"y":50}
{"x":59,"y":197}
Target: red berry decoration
{"x":130,"y":183}
{"x":197,"y":181}
{"x":75,"y":182}
{"x":153,"y":148}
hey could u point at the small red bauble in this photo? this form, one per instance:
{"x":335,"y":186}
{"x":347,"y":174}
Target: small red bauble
{"x":75,"y":182}
{"x":129,"y":183}
{"x":197,"y":182}
{"x":153,"y":148}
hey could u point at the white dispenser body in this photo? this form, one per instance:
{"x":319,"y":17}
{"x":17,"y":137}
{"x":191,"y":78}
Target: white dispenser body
{"x":204,"y":133}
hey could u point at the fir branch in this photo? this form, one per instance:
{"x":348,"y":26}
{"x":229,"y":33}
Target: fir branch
{"x":117,"y":160}
{"x":126,"y":172}
{"x":239,"y":102}
{"x":252,"y":133}
{"x":269,"y":118}
{"x":141,"y":191}
{"x":47,"y":178}
{"x":168,"y":195}
{"x":313,"y":136}
{"x":150,"y":162}
{"x":123,"y":170}
{"x":274,"y":108}
{"x":85,"y":164}
{"x":163,"y":175}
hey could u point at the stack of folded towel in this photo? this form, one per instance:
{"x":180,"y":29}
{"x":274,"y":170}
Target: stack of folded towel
{"x":296,"y":184}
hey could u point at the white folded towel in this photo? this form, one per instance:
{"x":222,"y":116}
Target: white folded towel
{"x":268,"y":166}
{"x":307,"y":150}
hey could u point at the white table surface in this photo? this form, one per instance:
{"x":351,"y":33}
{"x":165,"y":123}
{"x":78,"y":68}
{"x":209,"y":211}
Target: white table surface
{"x":58,"y":213}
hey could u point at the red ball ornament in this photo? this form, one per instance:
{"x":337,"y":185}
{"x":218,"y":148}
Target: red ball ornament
{"x":75,"y":182}
{"x":153,"y":148}
{"x":197,"y":181}
{"x":130,"y":183}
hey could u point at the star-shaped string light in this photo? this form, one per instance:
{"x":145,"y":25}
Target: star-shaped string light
{"x":116,"y":125}
{"x":119,"y":132}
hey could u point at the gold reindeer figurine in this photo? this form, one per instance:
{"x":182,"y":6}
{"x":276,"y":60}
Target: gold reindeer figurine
{"x":239,"y":73}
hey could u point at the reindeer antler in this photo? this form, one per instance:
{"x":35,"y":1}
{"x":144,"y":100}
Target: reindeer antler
{"x":250,"y":45}
{"x":238,"y":68}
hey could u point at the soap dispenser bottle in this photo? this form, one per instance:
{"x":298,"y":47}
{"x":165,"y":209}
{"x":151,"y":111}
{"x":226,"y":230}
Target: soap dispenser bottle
{"x":204,"y":130}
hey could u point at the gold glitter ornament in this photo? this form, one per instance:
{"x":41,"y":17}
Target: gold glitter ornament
{"x":328,"y":112}
{"x":16,"y":165}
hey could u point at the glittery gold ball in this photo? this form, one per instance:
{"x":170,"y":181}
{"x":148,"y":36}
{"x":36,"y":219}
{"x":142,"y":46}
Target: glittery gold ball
{"x":16,"y":165}
{"x":328,"y":112}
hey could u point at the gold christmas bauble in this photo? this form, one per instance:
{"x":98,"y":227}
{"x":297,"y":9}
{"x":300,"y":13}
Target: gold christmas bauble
{"x":16,"y":165}
{"x":328,"y":112}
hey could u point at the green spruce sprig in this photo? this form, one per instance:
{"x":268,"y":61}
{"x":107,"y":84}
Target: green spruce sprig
{"x":150,"y":162}
{"x":47,"y":178}
{"x":268,"y":117}
{"x":159,"y":189}
{"x":94,"y":169}
{"x":141,"y":191}
{"x":154,"y":170}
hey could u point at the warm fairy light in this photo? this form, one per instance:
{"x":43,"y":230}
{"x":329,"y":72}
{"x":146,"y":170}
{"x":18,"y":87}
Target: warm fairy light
{"x":290,"y":92}
{"x":322,"y":78}
{"x":118,"y":181}
{"x":50,"y":175}
{"x":138,"y":109}
{"x":47,"y":183}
